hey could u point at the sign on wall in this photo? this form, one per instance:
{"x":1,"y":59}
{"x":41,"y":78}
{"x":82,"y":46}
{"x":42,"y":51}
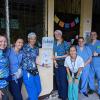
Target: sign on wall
{"x":14,"y":24}
{"x":47,"y":42}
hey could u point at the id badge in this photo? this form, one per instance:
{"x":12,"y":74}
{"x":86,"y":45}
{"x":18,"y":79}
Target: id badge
{"x":34,"y":66}
{"x":28,"y":74}
{"x":72,"y":75}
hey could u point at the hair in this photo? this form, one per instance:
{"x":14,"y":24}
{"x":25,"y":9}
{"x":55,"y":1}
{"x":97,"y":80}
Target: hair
{"x":3,"y":35}
{"x":17,"y":39}
{"x":93,"y":31}
{"x":72,"y":46}
{"x":81,"y":38}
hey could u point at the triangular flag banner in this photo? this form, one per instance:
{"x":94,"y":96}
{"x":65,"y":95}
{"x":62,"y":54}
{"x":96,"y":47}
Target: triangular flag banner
{"x":77,"y":20}
{"x":61,"y":24}
{"x":67,"y":25}
{"x":72,"y":24}
{"x":56,"y":19}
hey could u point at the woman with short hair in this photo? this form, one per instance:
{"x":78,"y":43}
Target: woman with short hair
{"x":31,"y":76}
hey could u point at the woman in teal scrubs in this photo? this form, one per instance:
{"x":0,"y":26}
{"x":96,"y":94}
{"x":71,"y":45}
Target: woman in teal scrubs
{"x":74,"y":65}
{"x":86,"y":53}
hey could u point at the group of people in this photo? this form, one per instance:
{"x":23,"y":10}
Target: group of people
{"x":18,"y":64}
{"x":77,"y":66}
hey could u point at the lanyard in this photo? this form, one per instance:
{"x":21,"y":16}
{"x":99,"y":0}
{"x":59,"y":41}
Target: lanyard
{"x":73,"y":67}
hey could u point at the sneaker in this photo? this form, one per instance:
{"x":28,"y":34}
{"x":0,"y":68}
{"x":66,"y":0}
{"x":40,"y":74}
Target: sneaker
{"x":85,"y":94}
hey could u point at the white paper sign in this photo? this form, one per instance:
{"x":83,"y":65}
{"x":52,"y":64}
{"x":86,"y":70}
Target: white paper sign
{"x":47,"y":42}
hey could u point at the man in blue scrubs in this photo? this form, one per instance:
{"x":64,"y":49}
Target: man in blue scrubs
{"x":86,"y":53}
{"x":95,"y":65}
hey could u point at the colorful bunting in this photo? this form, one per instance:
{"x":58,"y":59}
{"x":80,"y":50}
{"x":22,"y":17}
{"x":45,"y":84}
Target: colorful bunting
{"x":66,"y":25}
{"x":61,"y":24}
{"x":56,"y":19}
{"x":77,"y":20}
{"x":72,"y":24}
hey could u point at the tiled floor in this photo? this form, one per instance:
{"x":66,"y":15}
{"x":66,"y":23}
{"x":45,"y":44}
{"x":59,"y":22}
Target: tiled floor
{"x":54,"y":96}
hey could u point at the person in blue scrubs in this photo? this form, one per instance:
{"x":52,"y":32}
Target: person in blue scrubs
{"x":60,"y":50}
{"x":31,"y":76}
{"x":15,"y":57}
{"x":4,"y":69}
{"x":86,"y":53}
{"x":95,"y":65}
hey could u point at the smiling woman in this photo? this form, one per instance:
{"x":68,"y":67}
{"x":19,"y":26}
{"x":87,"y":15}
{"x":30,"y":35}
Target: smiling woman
{"x":15,"y":57}
{"x":4,"y":71}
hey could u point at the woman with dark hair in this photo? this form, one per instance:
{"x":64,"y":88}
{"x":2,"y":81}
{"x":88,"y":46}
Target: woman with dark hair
{"x":74,"y":65}
{"x":4,"y":69}
{"x":15,"y":57}
{"x":60,"y":50}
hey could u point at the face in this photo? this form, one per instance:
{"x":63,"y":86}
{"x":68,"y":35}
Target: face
{"x":32,"y":40}
{"x":58,"y":36}
{"x":3,"y":42}
{"x":73,"y":52}
{"x":93,"y":35}
{"x":81,"y":42}
{"x":19,"y":43}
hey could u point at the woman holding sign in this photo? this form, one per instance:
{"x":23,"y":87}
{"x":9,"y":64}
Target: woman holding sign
{"x":60,"y":50}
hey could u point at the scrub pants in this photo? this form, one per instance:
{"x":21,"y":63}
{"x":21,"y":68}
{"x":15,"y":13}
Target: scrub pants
{"x":92,"y":77}
{"x":15,"y":89}
{"x":97,"y":71}
{"x":84,"y":79}
{"x":62,"y":83}
{"x":73,"y":90}
{"x":32,"y":84}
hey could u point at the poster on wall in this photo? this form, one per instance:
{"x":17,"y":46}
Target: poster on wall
{"x":47,"y":42}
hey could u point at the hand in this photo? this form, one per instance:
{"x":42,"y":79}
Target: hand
{"x":70,"y":80}
{"x":76,"y":81}
{"x":1,"y":93}
{"x":95,"y":54}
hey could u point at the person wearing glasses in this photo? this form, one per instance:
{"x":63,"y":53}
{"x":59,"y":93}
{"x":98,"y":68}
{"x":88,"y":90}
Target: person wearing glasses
{"x":86,"y":53}
{"x":74,"y":65}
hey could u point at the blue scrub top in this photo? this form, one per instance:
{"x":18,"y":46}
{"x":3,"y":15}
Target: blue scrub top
{"x":86,"y":53}
{"x":14,"y":60}
{"x":61,"y":49}
{"x":95,"y":48}
{"x":4,"y":69}
{"x":29,"y":57}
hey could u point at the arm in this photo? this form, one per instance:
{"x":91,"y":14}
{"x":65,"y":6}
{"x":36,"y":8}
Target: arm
{"x":68,"y":73}
{"x":1,"y":95}
{"x":88,"y":61}
{"x":79,"y":70}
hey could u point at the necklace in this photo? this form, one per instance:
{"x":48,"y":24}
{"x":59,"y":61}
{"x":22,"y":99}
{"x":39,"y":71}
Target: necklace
{"x":73,"y":64}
